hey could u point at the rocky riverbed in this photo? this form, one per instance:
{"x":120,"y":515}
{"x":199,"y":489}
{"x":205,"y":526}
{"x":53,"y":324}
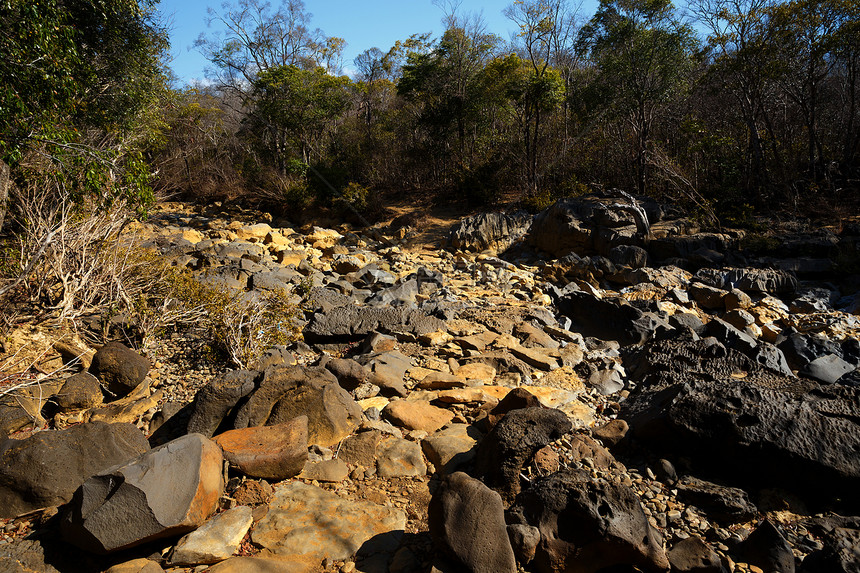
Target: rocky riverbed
{"x":600,"y":387}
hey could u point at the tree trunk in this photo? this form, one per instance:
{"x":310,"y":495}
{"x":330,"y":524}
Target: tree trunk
{"x":4,"y":191}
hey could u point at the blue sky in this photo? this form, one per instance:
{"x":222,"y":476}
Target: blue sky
{"x":363,"y":24}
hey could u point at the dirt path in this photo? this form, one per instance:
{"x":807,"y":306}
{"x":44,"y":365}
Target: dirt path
{"x":429,"y":224}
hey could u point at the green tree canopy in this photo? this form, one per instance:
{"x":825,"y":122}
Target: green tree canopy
{"x":78,"y":84}
{"x":298,"y":107}
{"x":644,"y":55}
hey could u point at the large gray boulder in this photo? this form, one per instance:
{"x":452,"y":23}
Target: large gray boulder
{"x":287,"y":392}
{"x":753,"y":433}
{"x":513,"y":441}
{"x":587,"y":524}
{"x":496,"y":231}
{"x":593,"y":224}
{"x":351,"y":322}
{"x":215,"y":400}
{"x":467,"y":522}
{"x":170,"y":490}
{"x":46,"y":468}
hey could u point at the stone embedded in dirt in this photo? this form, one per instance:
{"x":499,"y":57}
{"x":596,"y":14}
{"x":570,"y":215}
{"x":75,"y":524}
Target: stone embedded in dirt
{"x":467,"y":522}
{"x":496,"y":231}
{"x":587,"y":524}
{"x":46,"y":468}
{"x":306,"y":520}
{"x":215,"y":400}
{"x":334,"y":470}
{"x":727,"y":504}
{"x":215,"y":540}
{"x":169,"y":490}
{"x":387,"y":370}
{"x":397,"y":457}
{"x":582,"y":447}
{"x":270,"y":452}
{"x":694,"y":555}
{"x":753,"y":433}
{"x":511,"y":444}
{"x":360,"y":448}
{"x":451,"y":448}
{"x":416,"y":415}
{"x":294,"y":564}
{"x":79,"y":391}
{"x":119,"y":368}
{"x":349,"y":373}
{"x":287,"y":392}
{"x":611,"y":433}
{"x":767,"y":548}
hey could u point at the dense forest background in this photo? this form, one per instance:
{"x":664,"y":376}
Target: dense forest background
{"x":730,"y":107}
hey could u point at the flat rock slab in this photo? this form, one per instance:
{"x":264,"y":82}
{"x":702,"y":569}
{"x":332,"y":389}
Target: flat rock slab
{"x":266,"y":565}
{"x":417,"y":415}
{"x":334,"y":470}
{"x":305,"y":520}
{"x":216,"y":540}
{"x":398,"y":457}
{"x":141,"y":565}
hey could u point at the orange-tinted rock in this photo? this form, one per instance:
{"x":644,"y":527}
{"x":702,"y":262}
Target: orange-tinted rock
{"x":270,"y":452}
{"x":417,"y":415}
